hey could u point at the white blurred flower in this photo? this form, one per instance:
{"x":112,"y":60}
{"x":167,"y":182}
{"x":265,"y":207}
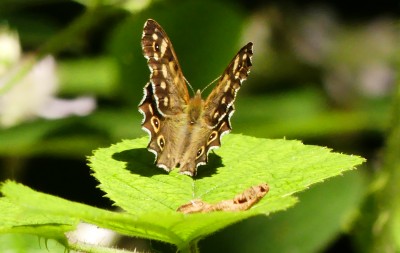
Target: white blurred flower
{"x":356,"y":59}
{"x":91,"y":234}
{"x":129,"y":5}
{"x":377,"y":79}
{"x":34,"y":94}
{"x":61,"y":108}
{"x":361,"y":63}
{"x":10,"y":50}
{"x":314,"y":35}
{"x":25,"y":98}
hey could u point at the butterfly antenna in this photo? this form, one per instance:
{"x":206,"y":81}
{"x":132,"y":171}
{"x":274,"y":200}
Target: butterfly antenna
{"x":191,"y":87}
{"x":208,"y":85}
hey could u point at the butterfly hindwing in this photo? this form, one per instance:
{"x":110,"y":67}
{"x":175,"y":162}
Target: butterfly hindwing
{"x":163,"y":131}
{"x":151,"y":118}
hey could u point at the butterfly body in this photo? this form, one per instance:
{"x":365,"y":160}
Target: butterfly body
{"x":184,"y":130}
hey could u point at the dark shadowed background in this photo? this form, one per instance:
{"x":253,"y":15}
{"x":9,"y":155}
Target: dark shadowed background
{"x":323,"y":72}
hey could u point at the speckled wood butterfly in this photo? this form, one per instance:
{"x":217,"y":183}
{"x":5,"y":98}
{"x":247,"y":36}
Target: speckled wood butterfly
{"x":183,"y":130}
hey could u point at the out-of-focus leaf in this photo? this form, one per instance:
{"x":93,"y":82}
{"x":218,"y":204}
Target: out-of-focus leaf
{"x":303,"y":114}
{"x":97,"y":76}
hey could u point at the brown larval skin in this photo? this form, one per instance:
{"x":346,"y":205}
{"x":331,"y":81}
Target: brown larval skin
{"x":240,"y":202}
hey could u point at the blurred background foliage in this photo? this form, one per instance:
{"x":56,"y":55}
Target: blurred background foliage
{"x":324,"y":72}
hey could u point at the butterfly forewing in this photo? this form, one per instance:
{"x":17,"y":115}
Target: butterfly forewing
{"x":168,"y":83}
{"x":219,"y":106}
{"x":223,"y":96}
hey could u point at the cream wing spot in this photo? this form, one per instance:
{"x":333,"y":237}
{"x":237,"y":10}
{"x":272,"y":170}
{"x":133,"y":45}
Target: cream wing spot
{"x":164,"y":71}
{"x":216,"y":114}
{"x":163,"y":47}
{"x":163,"y":85}
{"x":165,"y":101}
{"x":235,"y":64}
{"x":227,"y":86}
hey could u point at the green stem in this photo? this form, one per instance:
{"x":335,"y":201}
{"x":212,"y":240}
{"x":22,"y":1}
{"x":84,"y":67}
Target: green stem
{"x":89,"y":248}
{"x":90,"y":18}
{"x":60,"y":41}
{"x":386,"y":225}
{"x":191,"y":248}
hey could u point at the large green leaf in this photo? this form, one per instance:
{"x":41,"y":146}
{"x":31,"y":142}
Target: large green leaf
{"x":129,"y":178}
{"x":15,"y":219}
{"x":150,"y":197}
{"x":23,"y":243}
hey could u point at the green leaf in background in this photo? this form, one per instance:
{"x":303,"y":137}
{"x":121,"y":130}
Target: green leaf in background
{"x":75,"y":79}
{"x":304,"y":114}
{"x":150,"y":197}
